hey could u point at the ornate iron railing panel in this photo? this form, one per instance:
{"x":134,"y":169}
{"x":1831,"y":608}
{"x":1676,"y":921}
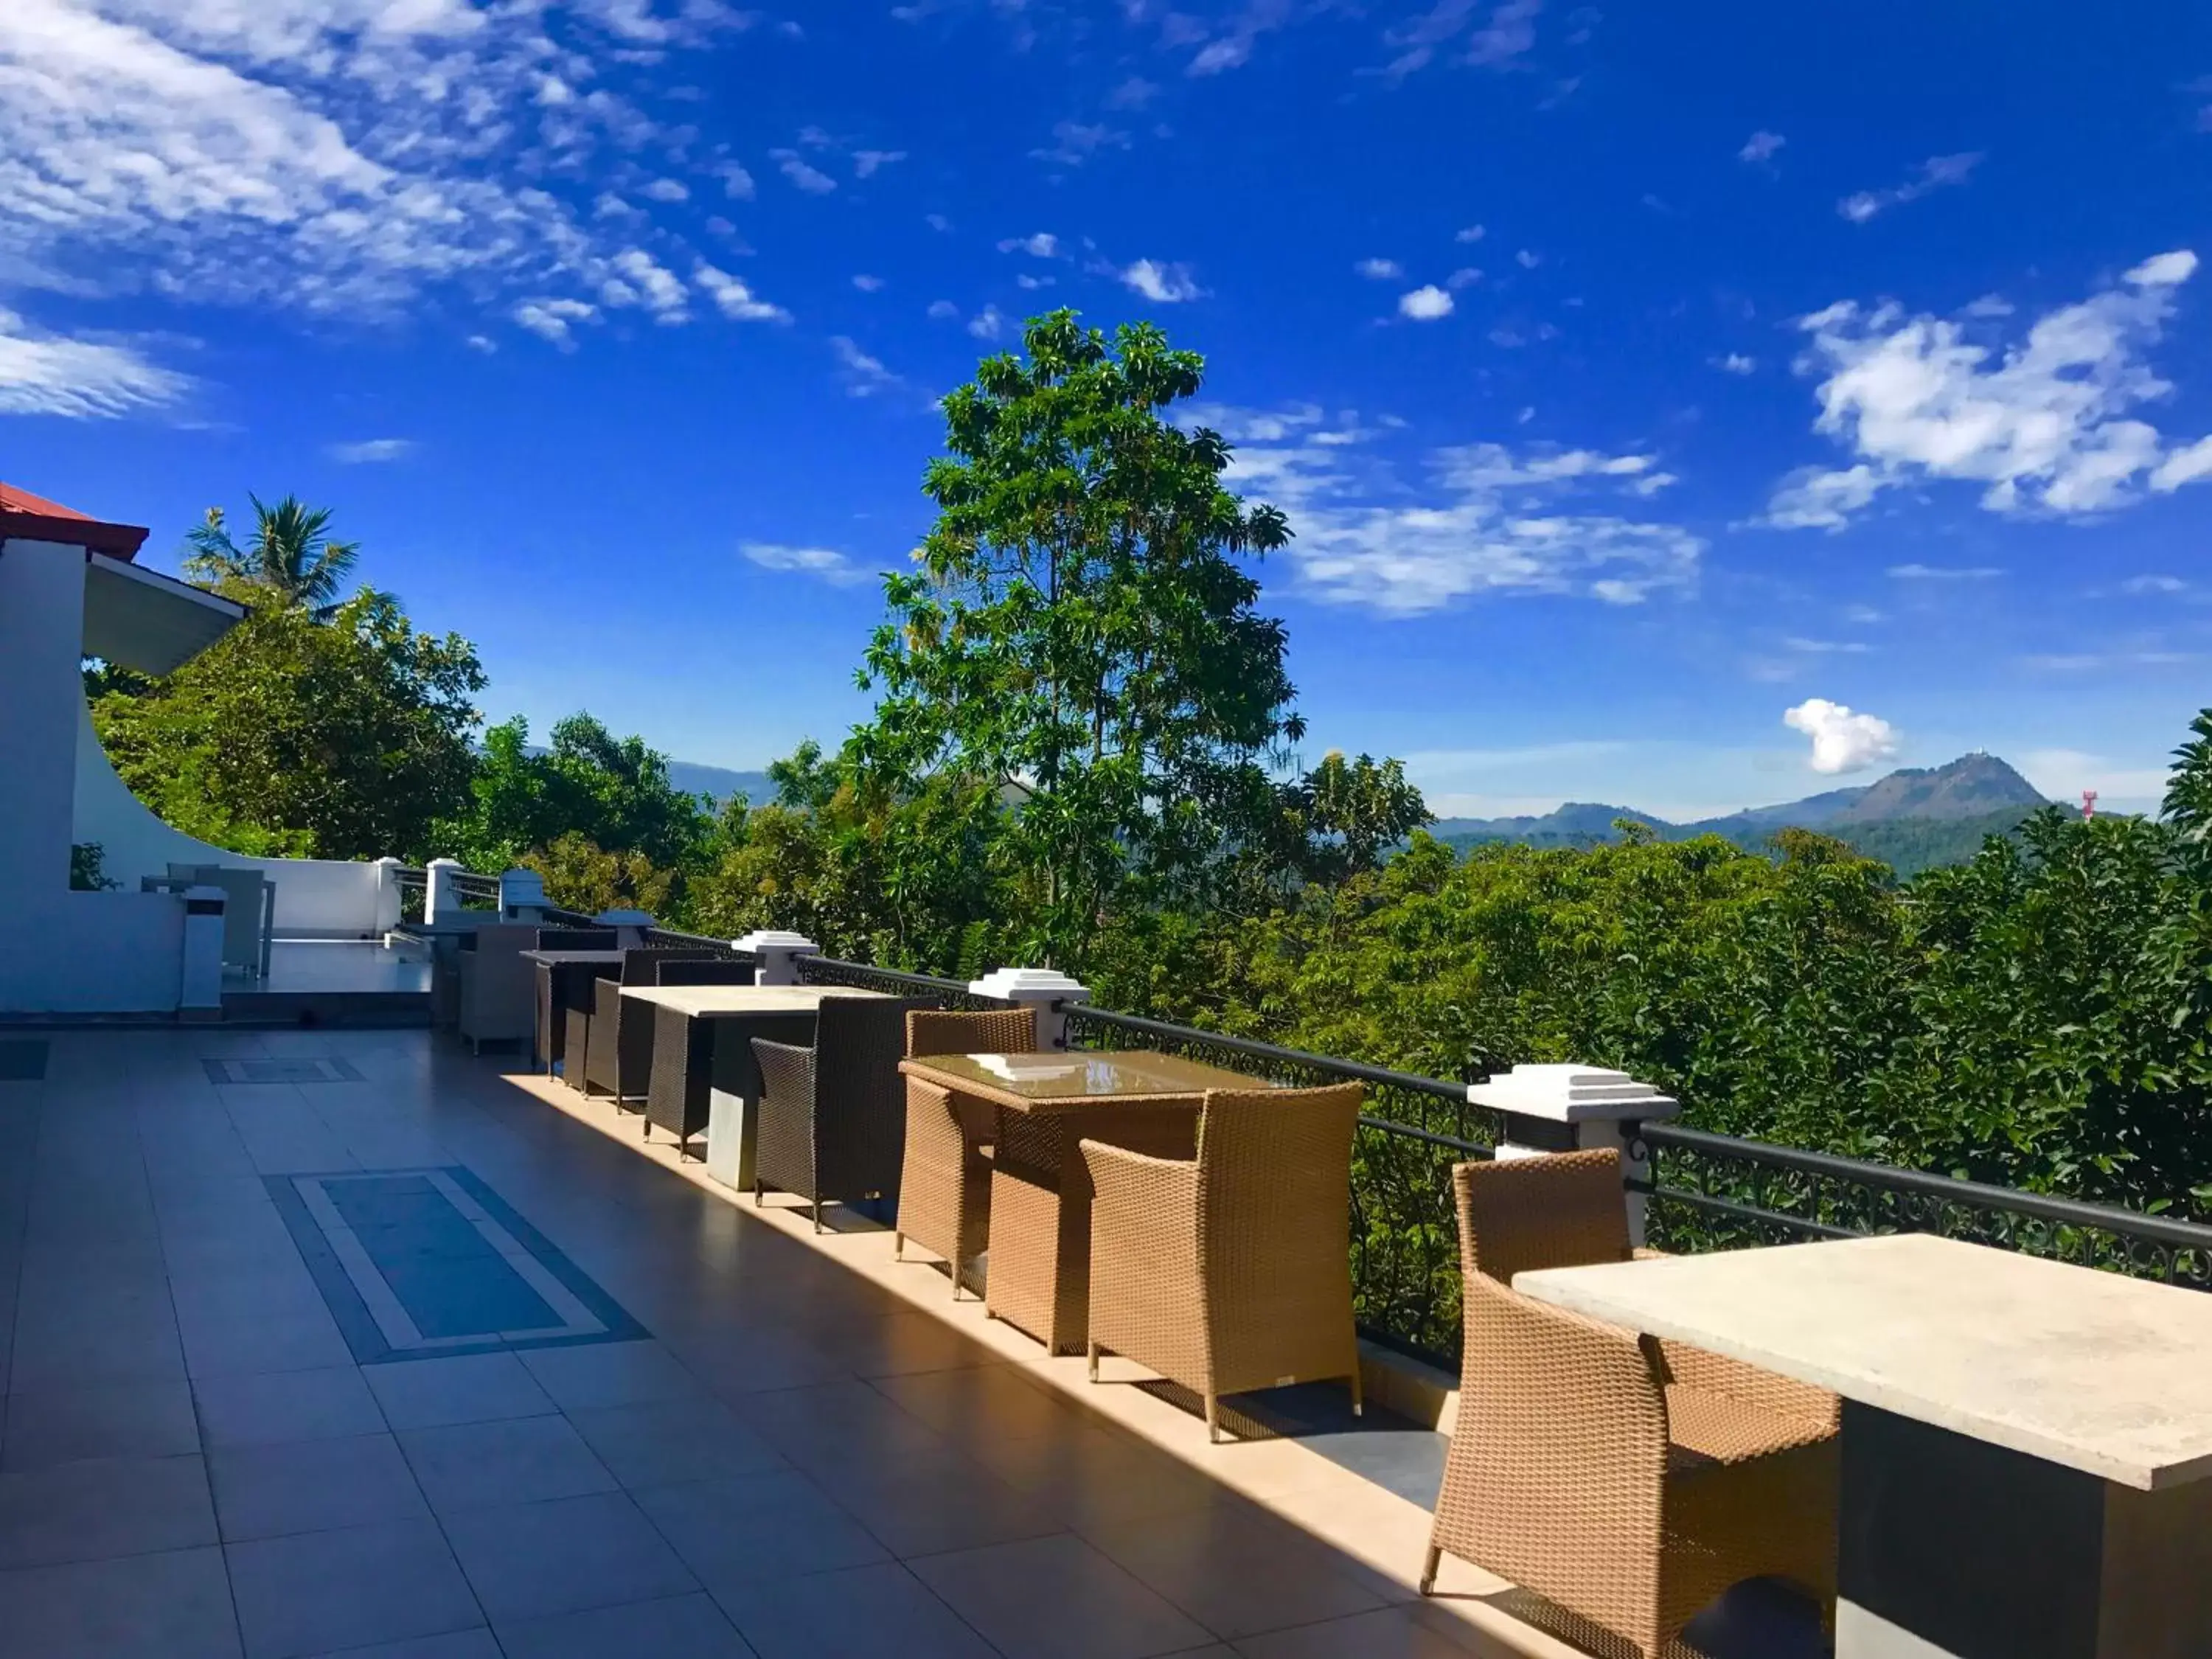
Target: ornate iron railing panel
{"x":865,"y":976}
{"x":1405,"y":1237}
{"x":1715,"y":1191}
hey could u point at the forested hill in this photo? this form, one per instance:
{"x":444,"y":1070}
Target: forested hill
{"x":1911,"y":819}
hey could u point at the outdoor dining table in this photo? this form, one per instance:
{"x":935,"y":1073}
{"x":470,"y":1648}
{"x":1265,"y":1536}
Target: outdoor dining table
{"x":2027,"y":1448}
{"x":1039,"y":1279}
{"x":704,"y":1075}
{"x":564,"y":982}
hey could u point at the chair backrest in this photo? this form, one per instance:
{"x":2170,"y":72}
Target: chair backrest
{"x":577,"y":938}
{"x":1558,"y":1210}
{"x":998,"y":1031}
{"x":859,"y":1100}
{"x":510,"y":937}
{"x":704,"y":970}
{"x":643,"y":965}
{"x":1274,"y":1177}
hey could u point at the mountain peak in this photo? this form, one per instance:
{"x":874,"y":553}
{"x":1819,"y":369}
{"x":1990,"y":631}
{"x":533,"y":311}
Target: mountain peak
{"x":1970,"y":786}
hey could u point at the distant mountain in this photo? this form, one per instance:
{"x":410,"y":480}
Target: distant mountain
{"x":1911,"y":819}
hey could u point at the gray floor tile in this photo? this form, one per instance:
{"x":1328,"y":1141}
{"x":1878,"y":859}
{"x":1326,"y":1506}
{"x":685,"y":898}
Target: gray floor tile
{"x":1057,"y":1598}
{"x":946,"y":1503}
{"x":478,"y":1643}
{"x":1238,"y":1571}
{"x":609,"y":1374}
{"x":170,"y":1606}
{"x":681,"y":1627}
{"x":116,"y":1419}
{"x":663,"y":1442}
{"x":90,"y":1511}
{"x":758,"y":1526}
{"x":323,"y":1592}
{"x":312,"y":1486}
{"x":862,"y":1613}
{"x":94,"y":1343}
{"x":1406,"y":1631}
{"x":421,"y":1394}
{"x":275,"y":1407}
{"x":533,"y":1560}
{"x":243,"y":1344}
{"x":519,"y":1460}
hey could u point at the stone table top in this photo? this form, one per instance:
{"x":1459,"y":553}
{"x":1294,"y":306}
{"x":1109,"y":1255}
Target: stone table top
{"x":1066,"y":1082}
{"x":711,"y":1001}
{"x":2098,"y":1372}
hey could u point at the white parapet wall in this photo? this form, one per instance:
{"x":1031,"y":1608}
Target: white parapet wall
{"x":316,"y":898}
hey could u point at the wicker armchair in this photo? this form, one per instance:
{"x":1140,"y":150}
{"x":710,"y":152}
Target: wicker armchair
{"x":496,"y":985}
{"x":634,"y":1029}
{"x":1231,"y":1272}
{"x":617,"y":1049}
{"x":832,"y":1117}
{"x":1628,"y":1481}
{"x":944,"y":1182}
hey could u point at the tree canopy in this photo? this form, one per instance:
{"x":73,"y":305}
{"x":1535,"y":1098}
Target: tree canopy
{"x":290,"y":554}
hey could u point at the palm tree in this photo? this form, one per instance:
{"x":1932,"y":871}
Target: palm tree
{"x":291,"y":552}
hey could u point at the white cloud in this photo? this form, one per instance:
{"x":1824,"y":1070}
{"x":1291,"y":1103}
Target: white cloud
{"x":2045,"y":425}
{"x":1025,"y":280}
{"x":1761,"y":147}
{"x":371,"y":450}
{"x":1807,"y":648}
{"x":1043,"y":246}
{"x":549,"y":318}
{"x":1426,"y":304}
{"x":943,"y":310}
{"x":1134,"y":92}
{"x":737,"y":183}
{"x":802,"y":172}
{"x":1471,"y":234}
{"x":1381,"y":271}
{"x":734,"y":298}
{"x":2063,"y":774}
{"x":1527,"y":260}
{"x":1736,"y":364}
{"x":1074,"y":143}
{"x":866,"y":163}
{"x":1843,"y":741}
{"x":1484,"y":519}
{"x":868,"y":284}
{"x":937,"y":222}
{"x":667,"y":190}
{"x":1944,"y":573}
{"x":1163,"y":284}
{"x":642,"y":280}
{"x":78,"y":379}
{"x":2140,"y":585}
{"x":987,"y":324}
{"x":1492,"y":37}
{"x":483,"y":343}
{"x":1465,"y":276}
{"x":864,"y":376}
{"x":1935,"y":173}
{"x":826,"y":562}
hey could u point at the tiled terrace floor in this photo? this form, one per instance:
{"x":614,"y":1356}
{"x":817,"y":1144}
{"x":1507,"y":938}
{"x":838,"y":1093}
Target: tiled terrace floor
{"x":808,"y":1453}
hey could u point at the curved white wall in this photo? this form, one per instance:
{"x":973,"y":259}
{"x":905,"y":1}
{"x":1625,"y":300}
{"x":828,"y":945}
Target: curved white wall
{"x":316,"y":898}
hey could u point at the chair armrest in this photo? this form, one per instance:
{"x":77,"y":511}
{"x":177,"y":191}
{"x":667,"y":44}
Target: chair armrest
{"x":606,"y":999}
{"x":786,"y":1072}
{"x":1585,"y":1399}
{"x":1715,"y":1373}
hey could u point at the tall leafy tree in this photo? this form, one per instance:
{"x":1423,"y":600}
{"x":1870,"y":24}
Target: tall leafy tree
{"x":344,"y":738}
{"x":289,"y":553}
{"x":1080,"y":640}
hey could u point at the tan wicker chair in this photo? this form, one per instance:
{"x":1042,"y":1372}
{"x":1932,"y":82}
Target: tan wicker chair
{"x":1628,"y":1481}
{"x":944,"y":1189}
{"x":1231,"y":1272}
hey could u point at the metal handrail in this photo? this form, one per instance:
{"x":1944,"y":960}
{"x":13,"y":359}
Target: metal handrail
{"x":1380,"y":1076}
{"x":865,"y":975}
{"x":1976,"y":1195}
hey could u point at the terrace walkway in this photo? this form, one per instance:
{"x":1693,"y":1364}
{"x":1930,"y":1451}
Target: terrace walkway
{"x":323,"y":1342}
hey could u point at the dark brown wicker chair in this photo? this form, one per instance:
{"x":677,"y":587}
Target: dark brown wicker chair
{"x":944,"y":1182}
{"x":1626,"y":1480}
{"x":604,"y":1044}
{"x":495,"y":989}
{"x":832,"y":1118}
{"x":549,"y":1042}
{"x":634,"y":1030}
{"x":1231,"y":1272}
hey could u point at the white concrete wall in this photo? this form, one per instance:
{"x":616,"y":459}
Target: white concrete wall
{"x":61,"y":953}
{"x":316,"y":898}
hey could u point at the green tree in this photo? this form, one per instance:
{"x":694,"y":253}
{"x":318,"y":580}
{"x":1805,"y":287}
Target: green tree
{"x":341,"y":739}
{"x":290,"y":554}
{"x":1080,"y":642}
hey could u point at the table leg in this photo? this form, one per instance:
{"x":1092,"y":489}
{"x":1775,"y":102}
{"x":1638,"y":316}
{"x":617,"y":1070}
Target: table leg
{"x":1952,"y":1548}
{"x":1040,"y":1274}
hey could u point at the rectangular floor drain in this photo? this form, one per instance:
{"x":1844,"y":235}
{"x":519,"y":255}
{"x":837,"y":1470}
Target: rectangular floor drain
{"x":281,"y":1070}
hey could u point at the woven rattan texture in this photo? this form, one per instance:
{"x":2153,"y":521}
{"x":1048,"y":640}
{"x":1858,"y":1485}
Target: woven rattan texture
{"x":945,"y":1183}
{"x":832,"y":1117}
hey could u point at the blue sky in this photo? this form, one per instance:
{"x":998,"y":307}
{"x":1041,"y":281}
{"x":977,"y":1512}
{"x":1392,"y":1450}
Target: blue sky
{"x":1667,"y":400}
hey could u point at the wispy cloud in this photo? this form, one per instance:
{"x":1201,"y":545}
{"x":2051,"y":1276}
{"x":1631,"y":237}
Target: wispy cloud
{"x":2047,"y":425}
{"x":1379,"y":270}
{"x":369,"y":450}
{"x":735,"y":298}
{"x":1944,"y":573}
{"x":802,"y":172}
{"x":1482,"y":520}
{"x":1761,"y":148}
{"x":864,"y":376}
{"x":78,"y":379}
{"x":1074,"y":143}
{"x":1936,"y":172}
{"x":1042,"y":245}
{"x":825,"y":563}
{"x":866,"y":163}
{"x":1163,"y":284}
{"x":1470,"y":32}
{"x":552,"y":318}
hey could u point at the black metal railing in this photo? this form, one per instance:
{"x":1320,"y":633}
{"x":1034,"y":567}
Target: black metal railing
{"x":414,"y":894}
{"x":1717,"y":1192}
{"x":865,"y":976}
{"x":1405,"y":1238}
{"x":476,"y":892}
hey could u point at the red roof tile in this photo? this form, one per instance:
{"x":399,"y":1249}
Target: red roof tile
{"x":33,"y":517}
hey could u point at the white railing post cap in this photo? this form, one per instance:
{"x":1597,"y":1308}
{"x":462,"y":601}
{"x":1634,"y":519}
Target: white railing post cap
{"x":1029,"y":984}
{"x":763,"y":939}
{"x":1571,"y":1094}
